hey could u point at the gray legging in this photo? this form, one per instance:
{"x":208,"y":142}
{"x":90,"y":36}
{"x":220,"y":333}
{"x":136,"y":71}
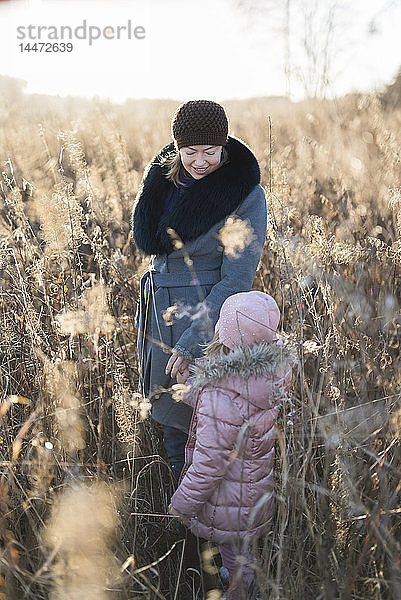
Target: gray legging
{"x":239,"y":567}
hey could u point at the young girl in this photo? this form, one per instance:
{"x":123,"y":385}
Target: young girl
{"x":226,"y":489}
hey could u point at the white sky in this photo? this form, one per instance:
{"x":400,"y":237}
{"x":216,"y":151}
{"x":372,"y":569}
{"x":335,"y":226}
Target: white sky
{"x":197,"y":48}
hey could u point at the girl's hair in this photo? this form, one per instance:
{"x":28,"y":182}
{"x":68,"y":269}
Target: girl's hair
{"x":174,"y":164}
{"x":215,"y":346}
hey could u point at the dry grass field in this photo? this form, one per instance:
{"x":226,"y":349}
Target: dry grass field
{"x":84,"y":484}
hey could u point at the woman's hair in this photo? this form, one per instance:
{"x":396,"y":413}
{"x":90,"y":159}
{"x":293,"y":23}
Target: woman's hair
{"x":174,"y":164}
{"x":215,"y":346}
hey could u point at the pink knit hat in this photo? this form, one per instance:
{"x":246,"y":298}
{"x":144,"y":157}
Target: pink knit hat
{"x":247,"y":318}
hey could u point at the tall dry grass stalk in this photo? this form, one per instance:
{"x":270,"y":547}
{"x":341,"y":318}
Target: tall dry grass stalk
{"x":68,"y":295}
{"x":60,"y":384}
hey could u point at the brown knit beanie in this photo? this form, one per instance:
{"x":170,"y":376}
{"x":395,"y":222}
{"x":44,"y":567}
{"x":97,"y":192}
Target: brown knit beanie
{"x":199,"y":122}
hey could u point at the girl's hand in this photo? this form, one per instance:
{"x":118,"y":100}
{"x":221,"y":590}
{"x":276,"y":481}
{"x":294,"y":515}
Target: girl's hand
{"x":176,"y":363}
{"x":175,"y":513}
{"x":182,"y":377}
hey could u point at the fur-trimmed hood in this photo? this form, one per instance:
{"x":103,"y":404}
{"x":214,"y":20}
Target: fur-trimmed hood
{"x":254,"y":371}
{"x":199,"y":207}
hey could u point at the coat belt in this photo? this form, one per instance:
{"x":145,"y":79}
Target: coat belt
{"x":186,"y":279}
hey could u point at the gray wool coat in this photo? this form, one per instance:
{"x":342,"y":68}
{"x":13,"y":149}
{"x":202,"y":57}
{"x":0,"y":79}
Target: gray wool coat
{"x":196,"y":288}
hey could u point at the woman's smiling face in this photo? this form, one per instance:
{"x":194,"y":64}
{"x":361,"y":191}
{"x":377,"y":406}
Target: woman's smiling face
{"x":200,"y":160}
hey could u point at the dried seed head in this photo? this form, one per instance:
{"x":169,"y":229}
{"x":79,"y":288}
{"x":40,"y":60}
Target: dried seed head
{"x":235,"y":236}
{"x":82,"y":529}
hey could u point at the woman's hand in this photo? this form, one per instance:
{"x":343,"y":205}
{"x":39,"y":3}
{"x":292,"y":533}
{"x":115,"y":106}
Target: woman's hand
{"x":175,"y":513}
{"x":176,"y":364}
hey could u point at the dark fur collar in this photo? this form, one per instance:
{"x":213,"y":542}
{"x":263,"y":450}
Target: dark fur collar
{"x":199,"y":207}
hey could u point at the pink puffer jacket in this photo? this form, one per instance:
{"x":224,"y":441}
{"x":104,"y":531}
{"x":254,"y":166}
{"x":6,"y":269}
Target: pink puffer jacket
{"x":226,"y":488}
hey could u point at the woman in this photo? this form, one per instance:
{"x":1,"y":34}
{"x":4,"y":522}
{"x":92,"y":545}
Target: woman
{"x":188,"y":190}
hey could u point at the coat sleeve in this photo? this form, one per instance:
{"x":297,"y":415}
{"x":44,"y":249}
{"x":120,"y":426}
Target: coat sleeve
{"x":214,"y":451}
{"x":237,"y":275}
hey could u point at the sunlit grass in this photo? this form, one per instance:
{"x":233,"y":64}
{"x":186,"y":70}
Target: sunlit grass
{"x":72,"y":419}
